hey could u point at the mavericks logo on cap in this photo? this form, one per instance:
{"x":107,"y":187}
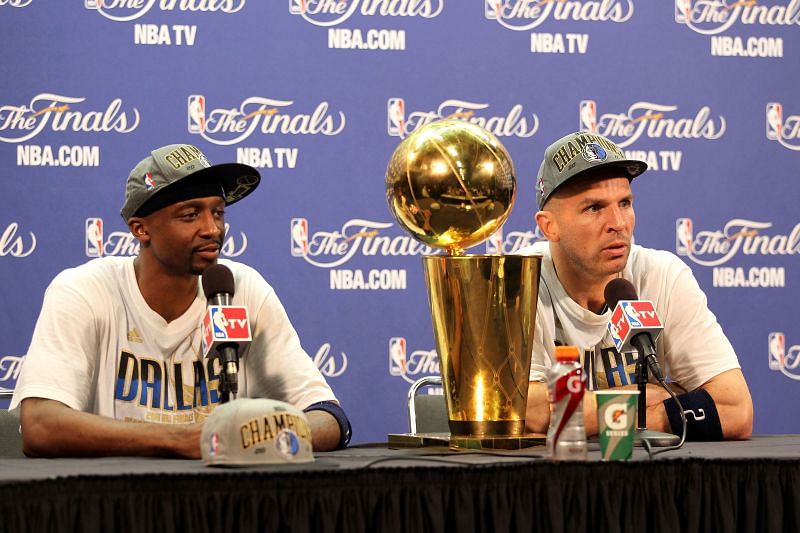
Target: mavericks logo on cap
{"x":594,"y":153}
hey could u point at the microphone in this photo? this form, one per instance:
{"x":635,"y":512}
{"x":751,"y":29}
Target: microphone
{"x":634,"y":323}
{"x":225,"y":327}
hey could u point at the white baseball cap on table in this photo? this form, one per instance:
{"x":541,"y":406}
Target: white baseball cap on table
{"x":256,"y":431}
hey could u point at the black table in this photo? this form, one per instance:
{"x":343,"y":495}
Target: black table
{"x":733,"y":486}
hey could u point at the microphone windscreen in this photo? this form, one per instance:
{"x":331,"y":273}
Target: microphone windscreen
{"x":619,"y":289}
{"x":217,"y":279}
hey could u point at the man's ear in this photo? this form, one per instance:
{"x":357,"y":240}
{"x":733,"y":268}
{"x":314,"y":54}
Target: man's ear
{"x":548,"y":225}
{"x":137,"y":227}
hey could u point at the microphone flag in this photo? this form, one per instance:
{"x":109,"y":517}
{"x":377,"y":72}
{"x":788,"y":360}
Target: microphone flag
{"x":630,"y":318}
{"x":224,"y":324}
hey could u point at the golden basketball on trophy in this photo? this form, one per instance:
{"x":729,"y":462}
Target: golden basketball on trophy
{"x":451,"y":184}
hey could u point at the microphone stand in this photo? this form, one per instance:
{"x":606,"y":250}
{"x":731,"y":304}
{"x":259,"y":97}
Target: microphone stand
{"x":228,"y":379}
{"x":654,"y":438}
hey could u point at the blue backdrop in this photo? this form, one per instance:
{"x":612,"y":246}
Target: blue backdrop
{"x":317,"y":94}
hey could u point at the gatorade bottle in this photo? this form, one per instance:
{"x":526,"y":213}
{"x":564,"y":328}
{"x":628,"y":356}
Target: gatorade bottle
{"x":566,"y":437}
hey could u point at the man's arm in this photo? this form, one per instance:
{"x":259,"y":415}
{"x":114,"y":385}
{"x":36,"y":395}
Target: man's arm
{"x":537,"y":417}
{"x":325,"y":432}
{"x":51,"y":429}
{"x":728,"y":389}
{"x":731,"y":397}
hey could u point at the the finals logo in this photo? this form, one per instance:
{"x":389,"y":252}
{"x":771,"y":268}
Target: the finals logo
{"x":335,"y":12}
{"x":786,"y":361}
{"x":21,"y":123}
{"x":710,"y":17}
{"x":523,"y":15}
{"x":411,"y":367}
{"x":228,"y":126}
{"x":738,"y":236}
{"x":127,"y":10}
{"x":783,"y":129}
{"x":330,"y":249}
{"x":15,"y":3}
{"x":649,"y":119}
{"x":122,"y":243}
{"x":401,"y":122}
{"x":14,"y":245}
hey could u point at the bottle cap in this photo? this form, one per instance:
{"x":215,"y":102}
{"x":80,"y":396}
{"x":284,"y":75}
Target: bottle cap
{"x":567,"y":353}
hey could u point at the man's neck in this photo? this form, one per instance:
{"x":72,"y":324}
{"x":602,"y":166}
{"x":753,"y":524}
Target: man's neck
{"x":587,"y":291}
{"x":168,"y":295}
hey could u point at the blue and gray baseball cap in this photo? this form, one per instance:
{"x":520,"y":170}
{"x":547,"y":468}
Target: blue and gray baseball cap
{"x":576,"y":153}
{"x":179,"y":172}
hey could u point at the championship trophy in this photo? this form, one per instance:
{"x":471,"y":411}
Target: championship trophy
{"x":451,"y":184}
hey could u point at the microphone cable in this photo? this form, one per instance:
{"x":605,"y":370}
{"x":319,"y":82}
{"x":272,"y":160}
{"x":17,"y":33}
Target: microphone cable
{"x":650,"y":453}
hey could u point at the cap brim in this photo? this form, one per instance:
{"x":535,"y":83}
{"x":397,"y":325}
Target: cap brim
{"x":631,"y":167}
{"x":237,"y":180}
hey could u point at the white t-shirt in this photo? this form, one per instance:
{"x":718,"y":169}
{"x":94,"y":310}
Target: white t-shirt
{"x":98,"y":347}
{"x":691,"y":350}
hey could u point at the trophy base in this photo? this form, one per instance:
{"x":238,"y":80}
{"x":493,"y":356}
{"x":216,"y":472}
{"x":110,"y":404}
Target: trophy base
{"x":466,"y":442}
{"x":496,"y":442}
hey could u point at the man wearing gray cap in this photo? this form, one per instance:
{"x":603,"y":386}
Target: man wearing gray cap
{"x":586,"y":214}
{"x":115,"y":367}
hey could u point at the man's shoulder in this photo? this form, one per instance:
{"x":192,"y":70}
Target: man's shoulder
{"x":537,"y":248}
{"x":647,"y":260}
{"x":246,"y":277}
{"x":240,"y":270}
{"x":654,"y":272}
{"x":100,"y":271}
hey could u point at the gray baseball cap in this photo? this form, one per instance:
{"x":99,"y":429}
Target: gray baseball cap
{"x":256,"y":431}
{"x":576,"y":153}
{"x":167,"y":169}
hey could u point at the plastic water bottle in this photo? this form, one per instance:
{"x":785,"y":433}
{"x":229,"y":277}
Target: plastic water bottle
{"x":566,"y":437}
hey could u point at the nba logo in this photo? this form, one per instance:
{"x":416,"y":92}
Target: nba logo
{"x":632,"y":314}
{"x":214,"y":449}
{"x":219,"y":323}
{"x":91,"y":4}
{"x":94,"y":237}
{"x":396,"y":117}
{"x":299,"y":236}
{"x":683,"y":236}
{"x":149,"y":184}
{"x":494,"y":244}
{"x":683,"y":11}
{"x":196,"y":107}
{"x":397,"y":356}
{"x":297,"y":7}
{"x":492,"y":9}
{"x":777,"y":350}
{"x":774,"y":121}
{"x":588,"y":116}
